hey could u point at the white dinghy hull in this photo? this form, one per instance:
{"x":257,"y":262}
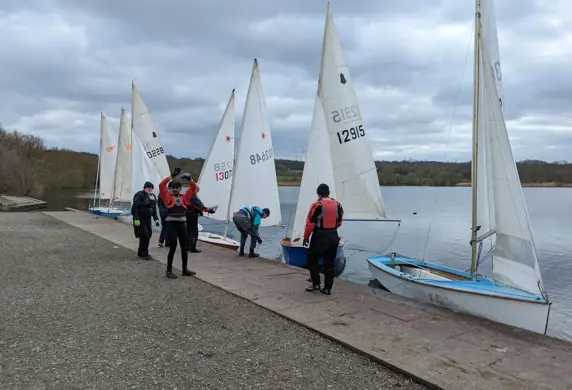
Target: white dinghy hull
{"x":218,"y":240}
{"x":483,"y":297}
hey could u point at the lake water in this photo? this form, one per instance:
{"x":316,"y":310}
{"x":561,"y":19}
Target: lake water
{"x":439,"y":232}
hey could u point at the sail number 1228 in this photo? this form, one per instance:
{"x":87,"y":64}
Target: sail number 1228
{"x":351,"y":134}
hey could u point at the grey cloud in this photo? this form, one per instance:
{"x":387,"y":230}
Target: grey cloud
{"x":65,"y":60}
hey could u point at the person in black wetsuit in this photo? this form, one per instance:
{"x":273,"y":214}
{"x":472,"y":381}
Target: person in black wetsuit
{"x":194,"y":211}
{"x":322,"y":222}
{"x":164,"y":236}
{"x":143,"y":209}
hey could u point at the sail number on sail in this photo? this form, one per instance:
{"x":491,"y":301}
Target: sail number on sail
{"x":348,"y":135}
{"x":153,"y":149}
{"x":223,"y":170}
{"x":346,"y":113}
{"x":264,"y":156}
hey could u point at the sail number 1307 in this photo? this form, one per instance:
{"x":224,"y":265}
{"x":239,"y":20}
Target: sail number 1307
{"x":351,"y":134}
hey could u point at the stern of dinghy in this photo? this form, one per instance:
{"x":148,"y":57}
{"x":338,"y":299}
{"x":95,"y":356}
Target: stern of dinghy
{"x":297,"y":255}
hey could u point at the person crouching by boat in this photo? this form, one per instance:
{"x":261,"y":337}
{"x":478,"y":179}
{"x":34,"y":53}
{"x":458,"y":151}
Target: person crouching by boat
{"x":176,"y":207}
{"x":143,"y":209}
{"x":163,"y":237}
{"x":247,"y":220}
{"x":194,"y":211}
{"x":323,"y":220}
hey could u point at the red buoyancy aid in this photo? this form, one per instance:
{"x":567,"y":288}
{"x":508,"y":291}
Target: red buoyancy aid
{"x":176,"y":206}
{"x":329,"y":218}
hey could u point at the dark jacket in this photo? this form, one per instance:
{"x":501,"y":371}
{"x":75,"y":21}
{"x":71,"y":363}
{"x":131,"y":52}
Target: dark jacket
{"x":144,"y":206}
{"x":255,"y":215}
{"x":196,"y":207}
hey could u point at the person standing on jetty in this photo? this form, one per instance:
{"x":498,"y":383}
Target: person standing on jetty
{"x":177,"y":230}
{"x":194,"y":211}
{"x":163,"y":238}
{"x":323,"y":220}
{"x":143,"y":209}
{"x":247,"y":220}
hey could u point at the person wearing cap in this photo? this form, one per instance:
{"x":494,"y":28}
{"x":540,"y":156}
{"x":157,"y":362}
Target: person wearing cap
{"x":247,"y":220}
{"x":322,"y":223}
{"x":143,"y":209}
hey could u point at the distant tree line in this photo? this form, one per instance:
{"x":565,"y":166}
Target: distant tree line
{"x":28,"y":167}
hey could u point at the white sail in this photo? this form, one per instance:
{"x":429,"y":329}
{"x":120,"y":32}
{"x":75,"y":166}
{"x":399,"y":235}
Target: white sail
{"x":318,"y":168}
{"x":501,"y":206}
{"x":143,"y":168}
{"x":490,"y":36}
{"x":122,"y":183}
{"x":107,"y":157}
{"x":254,"y":181}
{"x":216,"y":176}
{"x":151,"y":148}
{"x":356,"y":181}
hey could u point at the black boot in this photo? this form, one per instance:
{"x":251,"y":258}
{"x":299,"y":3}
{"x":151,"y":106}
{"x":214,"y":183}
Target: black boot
{"x":313,"y":287}
{"x":186,"y":271}
{"x":193,"y":246}
{"x":170,"y":274}
{"x":252,"y":254}
{"x":241,"y":251}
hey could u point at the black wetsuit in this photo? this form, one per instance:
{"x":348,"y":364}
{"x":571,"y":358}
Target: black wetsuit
{"x":144,"y":209}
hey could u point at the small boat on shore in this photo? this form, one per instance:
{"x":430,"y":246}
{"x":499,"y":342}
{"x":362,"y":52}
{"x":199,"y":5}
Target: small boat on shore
{"x":338,"y":154}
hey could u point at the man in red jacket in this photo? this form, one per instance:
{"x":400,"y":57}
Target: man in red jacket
{"x":323,"y":220}
{"x":176,"y":205}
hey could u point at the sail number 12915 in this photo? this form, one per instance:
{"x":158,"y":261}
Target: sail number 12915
{"x":351,"y":134}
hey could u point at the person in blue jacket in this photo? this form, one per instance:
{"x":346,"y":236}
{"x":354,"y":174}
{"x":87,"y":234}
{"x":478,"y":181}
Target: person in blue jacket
{"x":247,"y":220}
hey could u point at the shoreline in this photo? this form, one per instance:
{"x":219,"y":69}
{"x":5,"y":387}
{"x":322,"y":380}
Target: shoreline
{"x":464,"y":184}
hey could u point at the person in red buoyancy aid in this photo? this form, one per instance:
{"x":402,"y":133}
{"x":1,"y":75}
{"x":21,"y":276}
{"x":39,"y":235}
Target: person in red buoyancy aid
{"x":323,"y":220}
{"x":176,"y":205}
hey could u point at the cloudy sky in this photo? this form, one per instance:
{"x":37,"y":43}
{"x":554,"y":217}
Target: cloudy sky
{"x":64,"y":61}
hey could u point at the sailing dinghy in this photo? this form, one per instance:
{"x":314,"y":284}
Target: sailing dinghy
{"x":215,"y":179}
{"x":515,"y":294}
{"x":148,"y":158}
{"x":254,"y":181}
{"x":338,"y":154}
{"x":122,"y":182}
{"x":106,"y":171}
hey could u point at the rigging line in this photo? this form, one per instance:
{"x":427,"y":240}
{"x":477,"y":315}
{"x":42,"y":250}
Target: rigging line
{"x":360,"y":248}
{"x":447,"y":143}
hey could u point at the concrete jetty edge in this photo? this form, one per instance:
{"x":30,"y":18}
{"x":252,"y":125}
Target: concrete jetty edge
{"x":20,"y":203}
{"x":434,"y":346}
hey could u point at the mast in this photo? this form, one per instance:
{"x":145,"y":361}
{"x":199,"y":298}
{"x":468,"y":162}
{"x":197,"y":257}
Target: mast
{"x":226,"y":222}
{"x":111,"y":199}
{"x":98,"y":160}
{"x":475,"y":164}
{"x":228,"y":211}
{"x":131,"y":135}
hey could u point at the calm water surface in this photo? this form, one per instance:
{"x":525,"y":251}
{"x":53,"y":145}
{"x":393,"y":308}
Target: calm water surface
{"x":439,"y":232}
